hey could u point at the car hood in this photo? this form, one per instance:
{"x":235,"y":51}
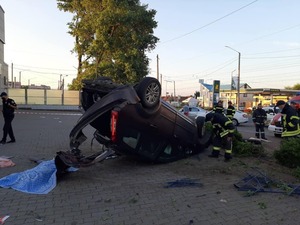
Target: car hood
{"x":125,"y":94}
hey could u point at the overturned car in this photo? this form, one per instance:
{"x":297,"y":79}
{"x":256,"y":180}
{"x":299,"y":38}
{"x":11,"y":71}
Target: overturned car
{"x":134,"y":120}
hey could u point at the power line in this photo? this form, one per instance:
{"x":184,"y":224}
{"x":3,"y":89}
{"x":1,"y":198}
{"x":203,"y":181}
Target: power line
{"x":206,"y":25}
{"x":286,"y":50}
{"x":42,"y":68}
{"x":273,"y":57}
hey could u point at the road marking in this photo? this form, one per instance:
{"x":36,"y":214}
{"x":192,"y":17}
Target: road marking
{"x":50,"y":113}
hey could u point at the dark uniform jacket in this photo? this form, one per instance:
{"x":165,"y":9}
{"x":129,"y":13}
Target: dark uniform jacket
{"x":218,"y":109}
{"x":7,"y":110}
{"x":290,"y":121}
{"x":222,"y":125}
{"x":230,"y":112}
{"x":259,"y":116}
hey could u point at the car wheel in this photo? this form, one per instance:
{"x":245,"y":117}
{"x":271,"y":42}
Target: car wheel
{"x":200,"y":126}
{"x":235,"y":122}
{"x":149,"y":91}
{"x":277,"y":135}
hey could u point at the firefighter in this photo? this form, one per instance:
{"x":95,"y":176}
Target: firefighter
{"x":230,"y":111}
{"x":290,"y":120}
{"x":259,"y":118}
{"x":223,"y":129}
{"x":218,"y":108}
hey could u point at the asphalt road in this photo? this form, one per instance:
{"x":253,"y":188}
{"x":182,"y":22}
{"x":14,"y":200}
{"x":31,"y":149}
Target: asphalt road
{"x":248,"y":130}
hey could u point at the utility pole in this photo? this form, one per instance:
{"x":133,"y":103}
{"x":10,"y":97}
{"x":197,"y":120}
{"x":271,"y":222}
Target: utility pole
{"x":157,"y":65}
{"x":239,"y":77}
{"x":161,"y":81}
{"x":20,"y":74}
{"x":174,"y":91}
{"x":12,"y":75}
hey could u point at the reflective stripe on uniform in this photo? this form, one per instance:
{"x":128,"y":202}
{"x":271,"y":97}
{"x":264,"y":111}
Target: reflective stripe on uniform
{"x":216,"y":148}
{"x":229,"y":151}
{"x":224,"y":133}
{"x":290,"y":133}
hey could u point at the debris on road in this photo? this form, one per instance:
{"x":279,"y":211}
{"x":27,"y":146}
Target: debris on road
{"x":6,"y":162}
{"x":2,"y":219}
{"x":185,"y":182}
{"x":258,"y":181}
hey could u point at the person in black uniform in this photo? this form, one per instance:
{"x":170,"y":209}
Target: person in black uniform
{"x":230,"y":111}
{"x":8,"y":111}
{"x":223,"y":129}
{"x":259,"y":117}
{"x":289,"y":120}
{"x":218,"y":108}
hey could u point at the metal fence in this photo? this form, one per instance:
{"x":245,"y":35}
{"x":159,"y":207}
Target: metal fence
{"x":44,"y":97}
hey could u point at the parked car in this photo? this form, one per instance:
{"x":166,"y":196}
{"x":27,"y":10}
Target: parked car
{"x":193,"y":112}
{"x":276,"y":126}
{"x":296,"y":101}
{"x":271,"y":112}
{"x":240,"y":117}
{"x":134,"y":120}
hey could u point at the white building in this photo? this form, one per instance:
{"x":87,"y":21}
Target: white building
{"x":3,"y":65}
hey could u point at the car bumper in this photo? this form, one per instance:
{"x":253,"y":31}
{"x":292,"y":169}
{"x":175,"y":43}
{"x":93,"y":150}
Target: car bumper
{"x":117,"y":96}
{"x":276,"y":130}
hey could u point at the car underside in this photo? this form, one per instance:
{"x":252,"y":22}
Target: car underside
{"x":133,"y":120}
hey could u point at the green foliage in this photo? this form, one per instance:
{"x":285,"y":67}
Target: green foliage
{"x":262,"y":205}
{"x":208,"y":127}
{"x":296,"y":172}
{"x":243,"y":148}
{"x":295,"y":87}
{"x":111,"y":38}
{"x":289,"y":153}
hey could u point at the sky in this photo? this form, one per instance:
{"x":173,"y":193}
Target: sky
{"x":193,"y":35}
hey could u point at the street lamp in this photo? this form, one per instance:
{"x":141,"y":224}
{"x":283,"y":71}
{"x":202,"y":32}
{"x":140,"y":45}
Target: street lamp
{"x":62,"y":87}
{"x":239,"y":74}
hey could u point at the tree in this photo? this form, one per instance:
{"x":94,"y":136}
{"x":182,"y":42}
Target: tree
{"x":295,"y":87}
{"x":111,"y":38}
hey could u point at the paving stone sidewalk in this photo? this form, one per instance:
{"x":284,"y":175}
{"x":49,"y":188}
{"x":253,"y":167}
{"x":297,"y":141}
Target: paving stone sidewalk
{"x":123,"y":191}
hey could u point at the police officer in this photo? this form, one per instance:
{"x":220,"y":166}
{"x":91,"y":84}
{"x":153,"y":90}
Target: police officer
{"x":230,"y":111}
{"x":290,"y":120}
{"x":223,"y":129}
{"x":8,"y":110}
{"x":259,"y":117}
{"x":218,"y":108}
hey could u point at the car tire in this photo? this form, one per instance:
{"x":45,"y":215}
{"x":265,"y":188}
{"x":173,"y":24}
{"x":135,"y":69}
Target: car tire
{"x":149,"y":91}
{"x":235,"y":122}
{"x":94,"y":90}
{"x":200,"y":126}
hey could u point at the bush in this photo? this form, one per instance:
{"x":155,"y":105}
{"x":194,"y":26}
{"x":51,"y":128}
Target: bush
{"x":243,"y":148}
{"x":289,"y":153}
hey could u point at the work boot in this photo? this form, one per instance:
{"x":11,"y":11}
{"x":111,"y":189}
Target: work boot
{"x":213,"y":156}
{"x":228,"y":157}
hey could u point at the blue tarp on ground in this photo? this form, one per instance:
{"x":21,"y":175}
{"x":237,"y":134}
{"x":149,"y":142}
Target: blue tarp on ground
{"x":38,"y":180}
